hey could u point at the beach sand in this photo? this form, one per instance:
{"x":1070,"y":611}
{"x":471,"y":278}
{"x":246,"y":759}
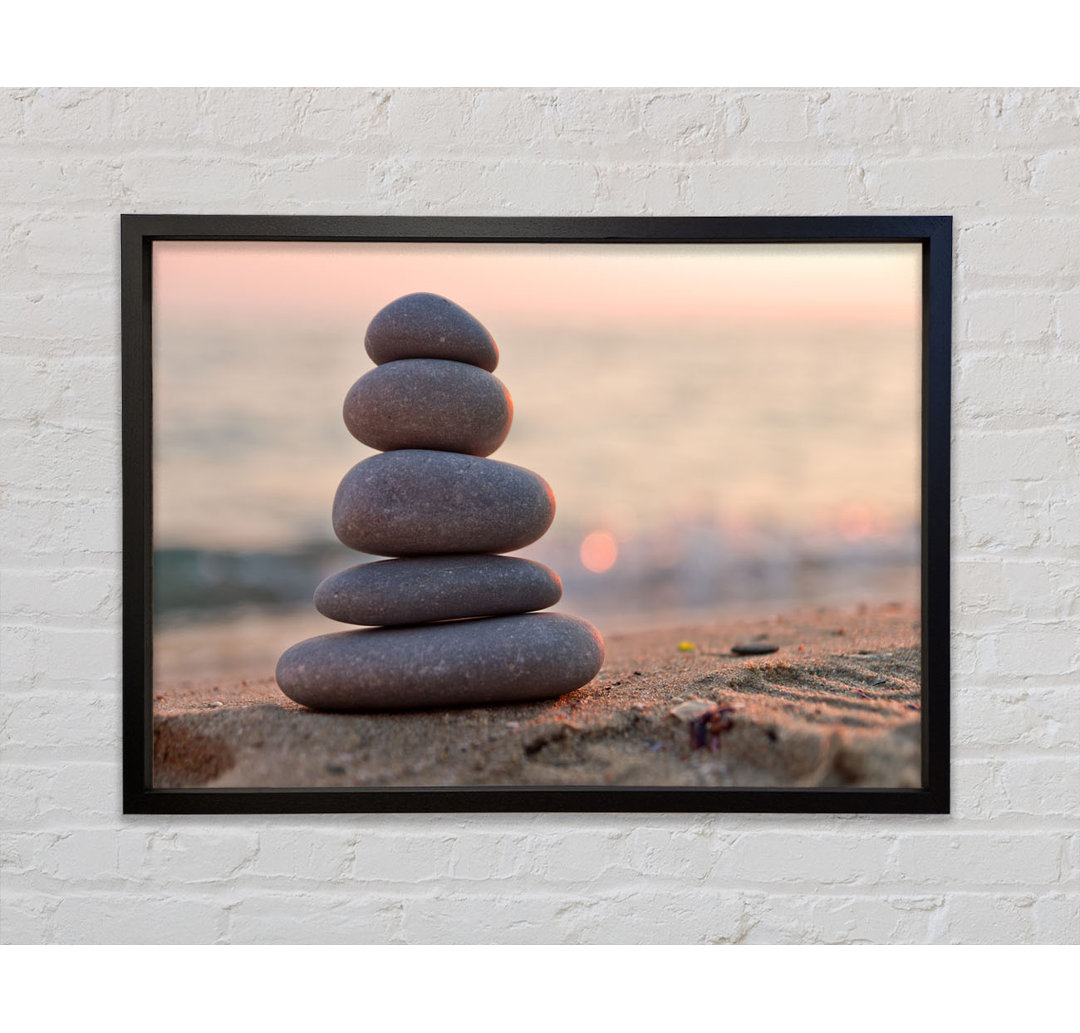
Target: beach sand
{"x":838,"y":705}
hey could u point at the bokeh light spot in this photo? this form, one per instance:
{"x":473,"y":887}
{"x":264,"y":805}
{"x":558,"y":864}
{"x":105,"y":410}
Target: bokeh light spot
{"x":599,"y":552}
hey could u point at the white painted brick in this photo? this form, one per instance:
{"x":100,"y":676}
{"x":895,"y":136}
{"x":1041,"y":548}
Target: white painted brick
{"x":192,"y":182}
{"x":1003,"y":586}
{"x":357,"y":118}
{"x":973,"y":918}
{"x":821,"y":918}
{"x":1043,"y":786}
{"x":68,"y":115}
{"x":255,"y":116}
{"x":73,"y":311}
{"x":1040,"y":786}
{"x":612,"y":917}
{"x":975,"y":788}
{"x":12,"y":113}
{"x":1072,"y":859}
{"x":1064,"y":527}
{"x":428,"y":121}
{"x":853,"y":119}
{"x":405,"y":857}
{"x":21,"y":852}
{"x":44,"y":796}
{"x":780,"y":190}
{"x":37,"y":458}
{"x":531,"y":116}
{"x":43,"y":656}
{"x":128,"y":918}
{"x":505,"y":918}
{"x":977,"y":859}
{"x":692,"y":915}
{"x":322,"y":180}
{"x":1022,"y":250}
{"x":95,"y":343}
{"x":692,"y":854}
{"x":777,"y":117}
{"x":1000,"y":521}
{"x":72,"y":594}
{"x":701,"y":125}
{"x":1037,"y":652}
{"x":923,"y":122}
{"x":489,"y":854}
{"x":1030,"y":120}
{"x":74,"y":525}
{"x":1028,"y":455}
{"x":1054,"y":176}
{"x":963,"y":654}
{"x":1057,"y":918}
{"x":515,"y":187}
{"x":28,"y":919}
{"x":786,"y":857}
{"x":357,"y":917}
{"x":186,"y":857}
{"x":934,"y":184}
{"x":80,"y":244}
{"x":160,"y":116}
{"x":604,"y":126}
{"x":49,"y":183}
{"x":660,"y":187}
{"x":988,"y":718}
{"x":1066,"y":305}
{"x":76,"y":854}
{"x":57,"y":726}
{"x":573,"y":856}
{"x":325,"y":855}
{"x":1006,"y":316}
{"x":990,"y":387}
{"x":1004,"y":867}
{"x":73,"y":392}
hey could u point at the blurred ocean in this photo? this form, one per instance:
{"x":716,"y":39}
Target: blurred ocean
{"x":691,"y":472}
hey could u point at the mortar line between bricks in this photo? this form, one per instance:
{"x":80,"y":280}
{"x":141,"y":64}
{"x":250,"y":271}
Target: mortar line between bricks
{"x":1025,"y":825}
{"x":435,"y":890}
{"x":435,"y":886}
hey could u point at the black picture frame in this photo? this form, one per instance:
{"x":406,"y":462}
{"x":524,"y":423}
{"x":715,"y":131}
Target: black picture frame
{"x":138,"y":234}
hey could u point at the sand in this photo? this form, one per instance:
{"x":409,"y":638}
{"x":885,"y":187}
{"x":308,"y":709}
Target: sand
{"x":838,"y":705}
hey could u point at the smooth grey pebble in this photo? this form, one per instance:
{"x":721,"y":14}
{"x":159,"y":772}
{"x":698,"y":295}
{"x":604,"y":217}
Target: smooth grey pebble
{"x":429,"y":326}
{"x":429,"y":403}
{"x":435,"y":588}
{"x":492,"y":660}
{"x":753,"y":648}
{"x":418,"y":502}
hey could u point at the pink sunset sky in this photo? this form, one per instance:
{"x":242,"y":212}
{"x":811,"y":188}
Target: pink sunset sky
{"x":655,"y":286}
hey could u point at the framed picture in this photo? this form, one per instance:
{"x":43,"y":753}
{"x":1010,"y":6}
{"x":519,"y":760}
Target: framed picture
{"x":536,"y":514}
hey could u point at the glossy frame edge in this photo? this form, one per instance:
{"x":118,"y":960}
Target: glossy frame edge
{"x":138,"y":232}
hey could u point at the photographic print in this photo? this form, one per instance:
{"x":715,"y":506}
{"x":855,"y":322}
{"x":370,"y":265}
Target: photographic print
{"x":442,"y":523}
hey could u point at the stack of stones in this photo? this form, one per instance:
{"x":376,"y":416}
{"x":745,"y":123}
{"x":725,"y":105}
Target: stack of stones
{"x":452,"y":621}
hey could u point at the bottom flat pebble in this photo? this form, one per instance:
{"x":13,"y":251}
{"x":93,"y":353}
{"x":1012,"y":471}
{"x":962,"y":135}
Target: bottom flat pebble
{"x":492,"y":660}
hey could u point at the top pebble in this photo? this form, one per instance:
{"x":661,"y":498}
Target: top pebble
{"x":427,"y":326}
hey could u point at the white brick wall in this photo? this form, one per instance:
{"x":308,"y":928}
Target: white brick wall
{"x":1005,"y":866}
